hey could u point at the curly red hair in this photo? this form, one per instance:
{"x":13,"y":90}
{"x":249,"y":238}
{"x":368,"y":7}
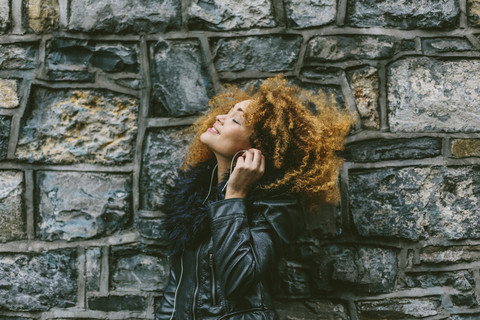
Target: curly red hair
{"x":297,"y":142}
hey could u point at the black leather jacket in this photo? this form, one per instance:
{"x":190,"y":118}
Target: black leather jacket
{"x":229,"y":275}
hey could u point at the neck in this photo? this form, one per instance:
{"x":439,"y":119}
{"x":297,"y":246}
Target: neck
{"x":223,"y":167}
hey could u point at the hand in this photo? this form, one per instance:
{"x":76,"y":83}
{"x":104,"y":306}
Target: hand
{"x":249,"y":168}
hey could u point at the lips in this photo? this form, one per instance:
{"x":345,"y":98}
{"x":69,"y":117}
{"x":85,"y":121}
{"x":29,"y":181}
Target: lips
{"x":213,"y":130}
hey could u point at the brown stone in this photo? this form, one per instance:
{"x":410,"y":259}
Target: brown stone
{"x":43,"y":15}
{"x":462,"y":148}
{"x":8,"y":94}
{"x":365,"y":90}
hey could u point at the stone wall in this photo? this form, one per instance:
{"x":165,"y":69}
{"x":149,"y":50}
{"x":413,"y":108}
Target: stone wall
{"x":93,"y":94}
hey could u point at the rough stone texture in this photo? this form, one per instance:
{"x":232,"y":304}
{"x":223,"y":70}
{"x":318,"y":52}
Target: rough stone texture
{"x":399,"y":308}
{"x":474,"y":12}
{"x":403,"y":14}
{"x":12,"y":218}
{"x":43,"y":15}
{"x":118,"y":303}
{"x":426,"y":94}
{"x":8,"y":94}
{"x":37,"y":282}
{"x":76,"y":56}
{"x":144,"y":269}
{"x":121,"y":16}
{"x":461,"y":280}
{"x":364,"y":84}
{"x":181,"y":83}
{"x":65,"y":126}
{"x":348,"y":47}
{"x":360,"y":269}
{"x":322,"y":73}
{"x":446,"y":45}
{"x":393,"y":149}
{"x":263,"y":53}
{"x":4,"y":136}
{"x":163,"y":154}
{"x":230,"y":14}
{"x":449,"y":255}
{"x":4,"y":15}
{"x":464,"y":300}
{"x":462,"y":148}
{"x":18,"y":56}
{"x":93,"y":268}
{"x":304,"y":14}
{"x":150,"y":228}
{"x":311,"y":309}
{"x":405,"y":202}
{"x":294,"y":280}
{"x":81,"y":205}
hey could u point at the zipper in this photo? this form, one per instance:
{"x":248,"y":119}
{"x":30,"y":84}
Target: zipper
{"x":261,"y":308}
{"x":195,"y":292}
{"x":213,"y":281}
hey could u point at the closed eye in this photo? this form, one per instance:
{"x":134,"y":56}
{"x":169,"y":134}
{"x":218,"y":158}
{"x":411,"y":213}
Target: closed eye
{"x":236,"y":121}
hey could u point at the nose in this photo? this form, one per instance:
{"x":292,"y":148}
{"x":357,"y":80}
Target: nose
{"x":220,"y":118}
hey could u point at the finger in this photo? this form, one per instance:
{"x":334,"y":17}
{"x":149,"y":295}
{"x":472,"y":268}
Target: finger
{"x":248,"y":157}
{"x":257,"y":158}
{"x":262,"y":164}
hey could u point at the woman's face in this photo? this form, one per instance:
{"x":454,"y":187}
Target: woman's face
{"x":229,"y":133}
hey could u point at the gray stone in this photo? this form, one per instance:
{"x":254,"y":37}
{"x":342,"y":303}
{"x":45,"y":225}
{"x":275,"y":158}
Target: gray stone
{"x":467,"y":316}
{"x":114,"y":303}
{"x":122,"y":16}
{"x":4,"y":136}
{"x":144,"y":269}
{"x":261,"y":53}
{"x":449,"y":255}
{"x":362,"y":269}
{"x":18,"y":56}
{"x":403,"y":308}
{"x":294,"y":280}
{"x":5,"y":19}
{"x":405,"y":202}
{"x":12,"y":217}
{"x":230,"y":14}
{"x":474,"y":12}
{"x":150,"y":228}
{"x":446,"y":45}
{"x":313,"y":13}
{"x":364,"y":84}
{"x":93,"y":268}
{"x":9,"y":98}
{"x":163,"y":154}
{"x":461,"y":280}
{"x":403,"y":14}
{"x":462,"y":148}
{"x":464,"y":300}
{"x":81,"y":205}
{"x":322,"y":73}
{"x":181,"y":83}
{"x":311,"y":309}
{"x":38,"y":282}
{"x":66,"y":126}
{"x":430,"y":95}
{"x":393,"y":149}
{"x":350,"y":47}
{"x":77,"y":55}
{"x":57,"y":75}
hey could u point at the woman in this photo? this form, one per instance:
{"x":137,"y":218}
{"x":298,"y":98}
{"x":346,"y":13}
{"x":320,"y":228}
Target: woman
{"x":257,"y":159}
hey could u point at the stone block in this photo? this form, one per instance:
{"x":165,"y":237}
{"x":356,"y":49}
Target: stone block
{"x":403,"y":14}
{"x":322,"y":73}
{"x":114,"y":303}
{"x":393,"y":149}
{"x":139,"y":268}
{"x":124,"y":16}
{"x":181,"y":83}
{"x":464,"y":300}
{"x":9,"y":98}
{"x":38,"y":282}
{"x":43,"y":15}
{"x":350,"y":47}
{"x":402,"y":308}
{"x":4,"y":136}
{"x":150,"y":228}
{"x":431,"y":95}
{"x":311,"y":309}
{"x":406,"y":202}
{"x":12,"y":216}
{"x":467,"y":316}
{"x":67,"y":126}
{"x":462,"y":280}
{"x":18,"y":56}
{"x":294,"y":280}
{"x":5,"y":19}
{"x":473,"y":12}
{"x":363,"y":269}
{"x":463,"y":148}
{"x":364,"y":84}
{"x":74,"y":55}
{"x":81,"y":205}
{"x":230,"y":14}
{"x":163,"y":154}
{"x":449,"y":255}
{"x":305,"y":14}
{"x":434,"y":45}
{"x":93,"y":268}
{"x":261,"y":53}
